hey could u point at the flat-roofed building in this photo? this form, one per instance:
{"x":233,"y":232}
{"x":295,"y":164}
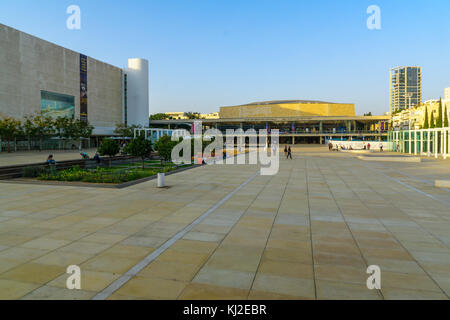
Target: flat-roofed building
{"x":298,"y":121}
{"x":288,"y":108}
{"x":39,"y":77}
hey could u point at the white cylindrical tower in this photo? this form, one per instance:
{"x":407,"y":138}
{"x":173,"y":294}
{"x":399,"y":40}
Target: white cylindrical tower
{"x":137,"y":92}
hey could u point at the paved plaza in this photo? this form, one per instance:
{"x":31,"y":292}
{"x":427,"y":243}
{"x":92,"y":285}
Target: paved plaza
{"x":309,"y":232}
{"x":27,"y":157}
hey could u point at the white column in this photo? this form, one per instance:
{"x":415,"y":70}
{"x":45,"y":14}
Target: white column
{"x":410,"y":142}
{"x":421,"y":142}
{"x":435,"y":144}
{"x":445,"y":134}
{"x":415,"y":142}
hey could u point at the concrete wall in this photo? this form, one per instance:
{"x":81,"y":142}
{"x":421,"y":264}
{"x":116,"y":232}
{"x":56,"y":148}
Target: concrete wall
{"x":29,"y":65}
{"x":287,"y":110}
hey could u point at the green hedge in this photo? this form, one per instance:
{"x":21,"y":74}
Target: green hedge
{"x":101,"y":175}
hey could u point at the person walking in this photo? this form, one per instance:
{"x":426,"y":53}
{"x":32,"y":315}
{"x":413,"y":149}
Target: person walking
{"x":285,"y":150}
{"x":289,"y":153}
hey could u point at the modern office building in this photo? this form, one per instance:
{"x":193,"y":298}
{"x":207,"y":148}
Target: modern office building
{"x":405,"y":88}
{"x":39,"y":77}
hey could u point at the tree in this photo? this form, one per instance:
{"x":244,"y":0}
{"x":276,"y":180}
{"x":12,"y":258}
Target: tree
{"x":426,"y":124}
{"x":164,"y":146}
{"x":125,"y":131}
{"x":82,"y":129}
{"x":109,"y":148}
{"x":192,"y":115}
{"x":29,"y":129}
{"x":446,"y":118}
{"x":44,"y":128}
{"x":9,"y":129}
{"x":158,"y":116}
{"x":432,"y":124}
{"x":368,"y":114}
{"x":439,"y":117}
{"x":63,"y":128}
{"x":139,"y":147}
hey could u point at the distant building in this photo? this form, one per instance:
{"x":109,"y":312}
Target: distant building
{"x":175,"y":115}
{"x":416,"y":115}
{"x":298,"y":121}
{"x":183,"y":116}
{"x":288,"y":108}
{"x":213,"y":115}
{"x":405,"y":88}
{"x":447,"y":94}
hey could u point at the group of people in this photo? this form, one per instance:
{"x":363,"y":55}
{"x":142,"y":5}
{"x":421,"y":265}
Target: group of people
{"x":51,"y":160}
{"x":337,"y":147}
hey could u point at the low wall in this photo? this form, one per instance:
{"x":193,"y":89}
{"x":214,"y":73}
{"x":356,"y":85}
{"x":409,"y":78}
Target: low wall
{"x":391,"y":159}
{"x":442,"y":184}
{"x":359,"y":145}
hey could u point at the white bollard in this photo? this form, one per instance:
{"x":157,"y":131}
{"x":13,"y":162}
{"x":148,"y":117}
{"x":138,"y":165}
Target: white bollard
{"x":161,"y":183}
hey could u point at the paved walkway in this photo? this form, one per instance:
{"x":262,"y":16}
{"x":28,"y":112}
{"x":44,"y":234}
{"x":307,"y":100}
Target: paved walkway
{"x":308,"y":232}
{"x":18,"y":158}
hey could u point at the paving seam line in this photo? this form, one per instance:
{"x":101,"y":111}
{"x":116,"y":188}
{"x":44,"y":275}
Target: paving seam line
{"x":108,"y":291}
{"x":408,"y":186}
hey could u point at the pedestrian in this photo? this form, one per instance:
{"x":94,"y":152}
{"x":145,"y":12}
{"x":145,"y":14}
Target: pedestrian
{"x":285,"y":150}
{"x":97,"y":158}
{"x":289,"y":153}
{"x":330,"y":146}
{"x":368,"y":146}
{"x":51,"y":160}
{"x":381,"y":147}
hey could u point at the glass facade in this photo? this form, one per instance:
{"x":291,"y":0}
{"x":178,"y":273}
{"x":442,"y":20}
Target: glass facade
{"x":406,"y":87}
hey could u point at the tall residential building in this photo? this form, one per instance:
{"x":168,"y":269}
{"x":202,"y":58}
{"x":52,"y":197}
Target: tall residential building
{"x":447,"y":93}
{"x":405,"y":87}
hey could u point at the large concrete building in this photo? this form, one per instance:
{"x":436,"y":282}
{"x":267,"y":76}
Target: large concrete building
{"x":288,"y":108}
{"x":39,"y":77}
{"x":298,"y":121}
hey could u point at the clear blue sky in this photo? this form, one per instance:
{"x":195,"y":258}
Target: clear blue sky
{"x":208,"y":53}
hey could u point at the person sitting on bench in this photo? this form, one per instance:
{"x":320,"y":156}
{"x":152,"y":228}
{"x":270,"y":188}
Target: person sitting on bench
{"x":50,"y":160}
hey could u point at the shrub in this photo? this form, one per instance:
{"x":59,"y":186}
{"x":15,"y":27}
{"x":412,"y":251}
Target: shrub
{"x":33,"y":172}
{"x":109,"y":148}
{"x":140,"y":147}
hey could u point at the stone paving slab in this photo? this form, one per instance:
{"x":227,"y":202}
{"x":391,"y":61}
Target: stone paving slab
{"x":309,"y":232}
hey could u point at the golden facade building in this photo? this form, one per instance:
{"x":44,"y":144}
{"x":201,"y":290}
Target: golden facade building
{"x":288,"y":109}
